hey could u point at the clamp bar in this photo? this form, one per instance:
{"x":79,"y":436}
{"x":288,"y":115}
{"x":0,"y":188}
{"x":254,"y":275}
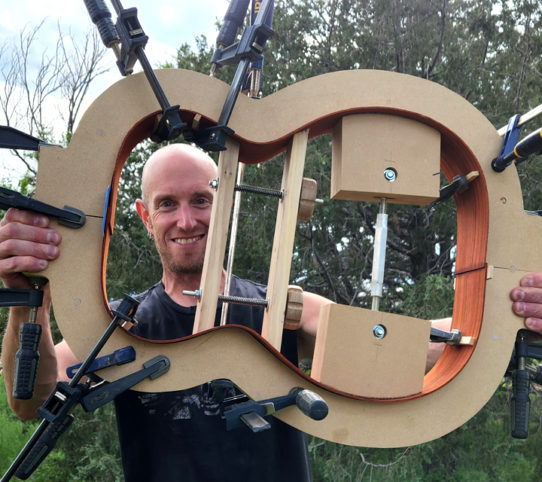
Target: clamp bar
{"x":532,"y":144}
{"x":118,"y":357}
{"x":99,"y":396}
{"x":11,"y":138}
{"x":68,"y":216}
{"x":13,"y":297}
{"x":132,"y":39}
{"x":56,"y":409}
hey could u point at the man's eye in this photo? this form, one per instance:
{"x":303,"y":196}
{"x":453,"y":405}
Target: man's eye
{"x":165,"y":204}
{"x":202,"y":202}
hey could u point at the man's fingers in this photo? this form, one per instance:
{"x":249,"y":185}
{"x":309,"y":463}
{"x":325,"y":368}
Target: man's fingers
{"x":19,"y":264}
{"x":25,"y":217}
{"x":533,"y":280}
{"x":527,"y":310}
{"x":527,"y":294}
{"x":13,"y":248}
{"x":21,"y":231}
{"x":534,"y":324}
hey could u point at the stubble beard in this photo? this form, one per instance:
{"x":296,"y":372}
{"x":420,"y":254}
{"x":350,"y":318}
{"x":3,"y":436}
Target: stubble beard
{"x":193,"y":267}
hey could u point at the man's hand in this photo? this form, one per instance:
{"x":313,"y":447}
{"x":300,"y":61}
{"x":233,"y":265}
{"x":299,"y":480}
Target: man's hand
{"x":27,"y":244}
{"x":527,"y":301}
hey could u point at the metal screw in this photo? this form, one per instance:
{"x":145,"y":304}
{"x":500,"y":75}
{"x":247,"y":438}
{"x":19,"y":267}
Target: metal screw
{"x":196,"y":293}
{"x":379,"y":331}
{"x":390,"y":174}
{"x":214,"y":183}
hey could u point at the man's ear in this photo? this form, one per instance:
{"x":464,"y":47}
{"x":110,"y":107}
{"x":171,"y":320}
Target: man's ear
{"x":144,"y":214}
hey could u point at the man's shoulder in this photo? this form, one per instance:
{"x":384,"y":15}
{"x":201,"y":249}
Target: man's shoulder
{"x":153,"y":291}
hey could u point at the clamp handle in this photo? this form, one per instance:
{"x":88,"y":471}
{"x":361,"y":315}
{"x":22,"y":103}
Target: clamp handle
{"x":520,"y":403}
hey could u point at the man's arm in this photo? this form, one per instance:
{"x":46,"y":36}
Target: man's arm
{"x":27,"y":244}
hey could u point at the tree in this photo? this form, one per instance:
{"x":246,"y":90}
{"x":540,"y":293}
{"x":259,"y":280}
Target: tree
{"x":28,"y":91}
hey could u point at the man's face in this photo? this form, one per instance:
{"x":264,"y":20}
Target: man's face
{"x":178,"y":204}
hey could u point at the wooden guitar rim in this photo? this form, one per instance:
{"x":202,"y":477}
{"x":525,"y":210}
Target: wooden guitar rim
{"x":490,"y":258}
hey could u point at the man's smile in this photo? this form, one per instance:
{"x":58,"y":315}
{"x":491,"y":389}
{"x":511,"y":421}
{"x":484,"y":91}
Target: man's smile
{"x":185,"y":241}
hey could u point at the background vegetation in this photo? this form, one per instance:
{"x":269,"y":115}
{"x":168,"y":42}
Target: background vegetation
{"x":488,"y":51}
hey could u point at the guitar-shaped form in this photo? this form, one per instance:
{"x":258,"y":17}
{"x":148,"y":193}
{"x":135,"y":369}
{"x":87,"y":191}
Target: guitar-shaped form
{"x":382,"y":122}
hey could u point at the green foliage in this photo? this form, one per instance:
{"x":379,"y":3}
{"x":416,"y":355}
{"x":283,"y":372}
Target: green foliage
{"x":91,"y":447}
{"x":430,"y":298}
{"x":14,"y":434}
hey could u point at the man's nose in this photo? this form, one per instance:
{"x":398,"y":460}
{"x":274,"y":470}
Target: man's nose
{"x":186,"y":219}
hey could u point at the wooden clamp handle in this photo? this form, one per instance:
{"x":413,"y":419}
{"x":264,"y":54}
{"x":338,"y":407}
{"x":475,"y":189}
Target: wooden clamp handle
{"x":307,"y":199}
{"x":294,"y":308}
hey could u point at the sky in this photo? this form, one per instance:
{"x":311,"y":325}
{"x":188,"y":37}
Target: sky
{"x":167,"y":23}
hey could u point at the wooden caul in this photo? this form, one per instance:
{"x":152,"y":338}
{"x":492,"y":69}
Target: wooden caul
{"x":379,"y":121}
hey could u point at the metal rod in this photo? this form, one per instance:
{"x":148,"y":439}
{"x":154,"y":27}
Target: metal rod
{"x":259,"y":190}
{"x":239,"y":300}
{"x":379,"y":255}
{"x":524,"y":118}
{"x":233,"y":241}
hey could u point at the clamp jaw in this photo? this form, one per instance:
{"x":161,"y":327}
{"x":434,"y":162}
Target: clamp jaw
{"x":128,"y":40}
{"x":252,"y":413}
{"x":248,"y":49}
{"x":514,"y":151}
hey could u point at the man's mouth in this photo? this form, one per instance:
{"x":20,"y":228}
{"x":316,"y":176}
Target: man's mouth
{"x":184,"y":241}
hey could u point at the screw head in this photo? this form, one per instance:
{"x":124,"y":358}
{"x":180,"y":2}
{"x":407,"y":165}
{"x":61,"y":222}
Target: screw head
{"x":379,"y":331}
{"x":390,"y":174}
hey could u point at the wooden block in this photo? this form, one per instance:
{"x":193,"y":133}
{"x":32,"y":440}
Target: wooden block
{"x":283,"y":241}
{"x":211,"y":276}
{"x":294,"y":308}
{"x":366,"y":145}
{"x":307,"y":199}
{"x":349,"y":357}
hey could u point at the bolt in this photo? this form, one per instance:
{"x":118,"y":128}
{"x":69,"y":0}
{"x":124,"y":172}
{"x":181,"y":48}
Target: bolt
{"x":390,"y":174}
{"x":196,"y":293}
{"x":214,"y":183}
{"x":379,"y":331}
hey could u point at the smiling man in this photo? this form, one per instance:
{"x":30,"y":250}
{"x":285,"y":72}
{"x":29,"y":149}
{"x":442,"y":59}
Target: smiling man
{"x":176,"y":210}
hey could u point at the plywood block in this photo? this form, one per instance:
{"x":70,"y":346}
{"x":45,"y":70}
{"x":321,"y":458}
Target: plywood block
{"x":349,"y":357}
{"x":366,"y":147}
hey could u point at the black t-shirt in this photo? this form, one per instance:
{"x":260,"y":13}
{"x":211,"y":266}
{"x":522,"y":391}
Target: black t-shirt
{"x":181,"y":435}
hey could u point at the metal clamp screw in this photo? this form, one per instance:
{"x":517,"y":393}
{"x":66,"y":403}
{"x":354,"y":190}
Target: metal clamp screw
{"x":379,"y":331}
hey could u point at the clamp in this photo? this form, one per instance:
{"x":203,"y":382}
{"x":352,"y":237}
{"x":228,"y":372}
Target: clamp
{"x":251,"y":412}
{"x":249,"y":49}
{"x":127,"y":39}
{"x":522,"y":375}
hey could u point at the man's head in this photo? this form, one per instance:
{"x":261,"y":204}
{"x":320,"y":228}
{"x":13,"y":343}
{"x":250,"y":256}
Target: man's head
{"x":176,"y":205}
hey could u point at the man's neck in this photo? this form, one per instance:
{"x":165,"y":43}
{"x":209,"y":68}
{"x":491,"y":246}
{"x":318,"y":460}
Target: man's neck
{"x":176,"y":283}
